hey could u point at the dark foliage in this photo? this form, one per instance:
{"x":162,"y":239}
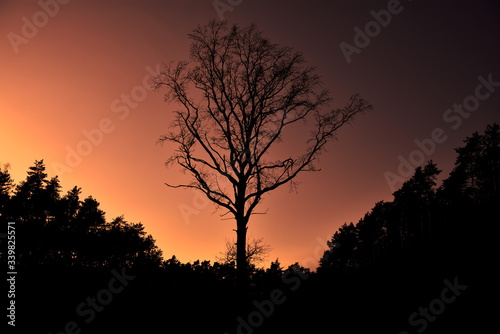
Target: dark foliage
{"x":399,"y":253}
{"x":375,"y":274}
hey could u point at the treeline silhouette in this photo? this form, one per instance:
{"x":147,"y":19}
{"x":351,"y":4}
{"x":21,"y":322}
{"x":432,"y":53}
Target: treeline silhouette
{"x":395,"y":259}
{"x":66,"y":252}
{"x":424,"y":219}
{"x":66,"y":231}
{"x":374,"y":276}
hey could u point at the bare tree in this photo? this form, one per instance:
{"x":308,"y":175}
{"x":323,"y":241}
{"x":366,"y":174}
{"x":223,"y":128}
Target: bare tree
{"x":236,"y":97}
{"x":256,"y":253}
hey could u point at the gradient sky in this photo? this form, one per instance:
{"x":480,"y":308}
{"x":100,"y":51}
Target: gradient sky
{"x":73,"y":72}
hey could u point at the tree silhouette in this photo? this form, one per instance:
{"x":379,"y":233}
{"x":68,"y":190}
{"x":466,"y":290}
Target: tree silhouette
{"x":236,"y":99}
{"x":477,"y":168}
{"x":414,"y":201}
{"x":257,"y":252}
{"x":6,"y":184}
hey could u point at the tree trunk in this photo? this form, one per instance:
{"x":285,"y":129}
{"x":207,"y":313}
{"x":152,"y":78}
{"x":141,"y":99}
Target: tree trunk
{"x":242,"y":275}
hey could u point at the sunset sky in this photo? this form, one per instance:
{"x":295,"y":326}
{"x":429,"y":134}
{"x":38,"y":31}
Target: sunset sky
{"x":81,"y":69}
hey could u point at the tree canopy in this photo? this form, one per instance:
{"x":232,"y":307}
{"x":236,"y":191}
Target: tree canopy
{"x":66,"y":231}
{"x":425,"y":218}
{"x":236,"y":98}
